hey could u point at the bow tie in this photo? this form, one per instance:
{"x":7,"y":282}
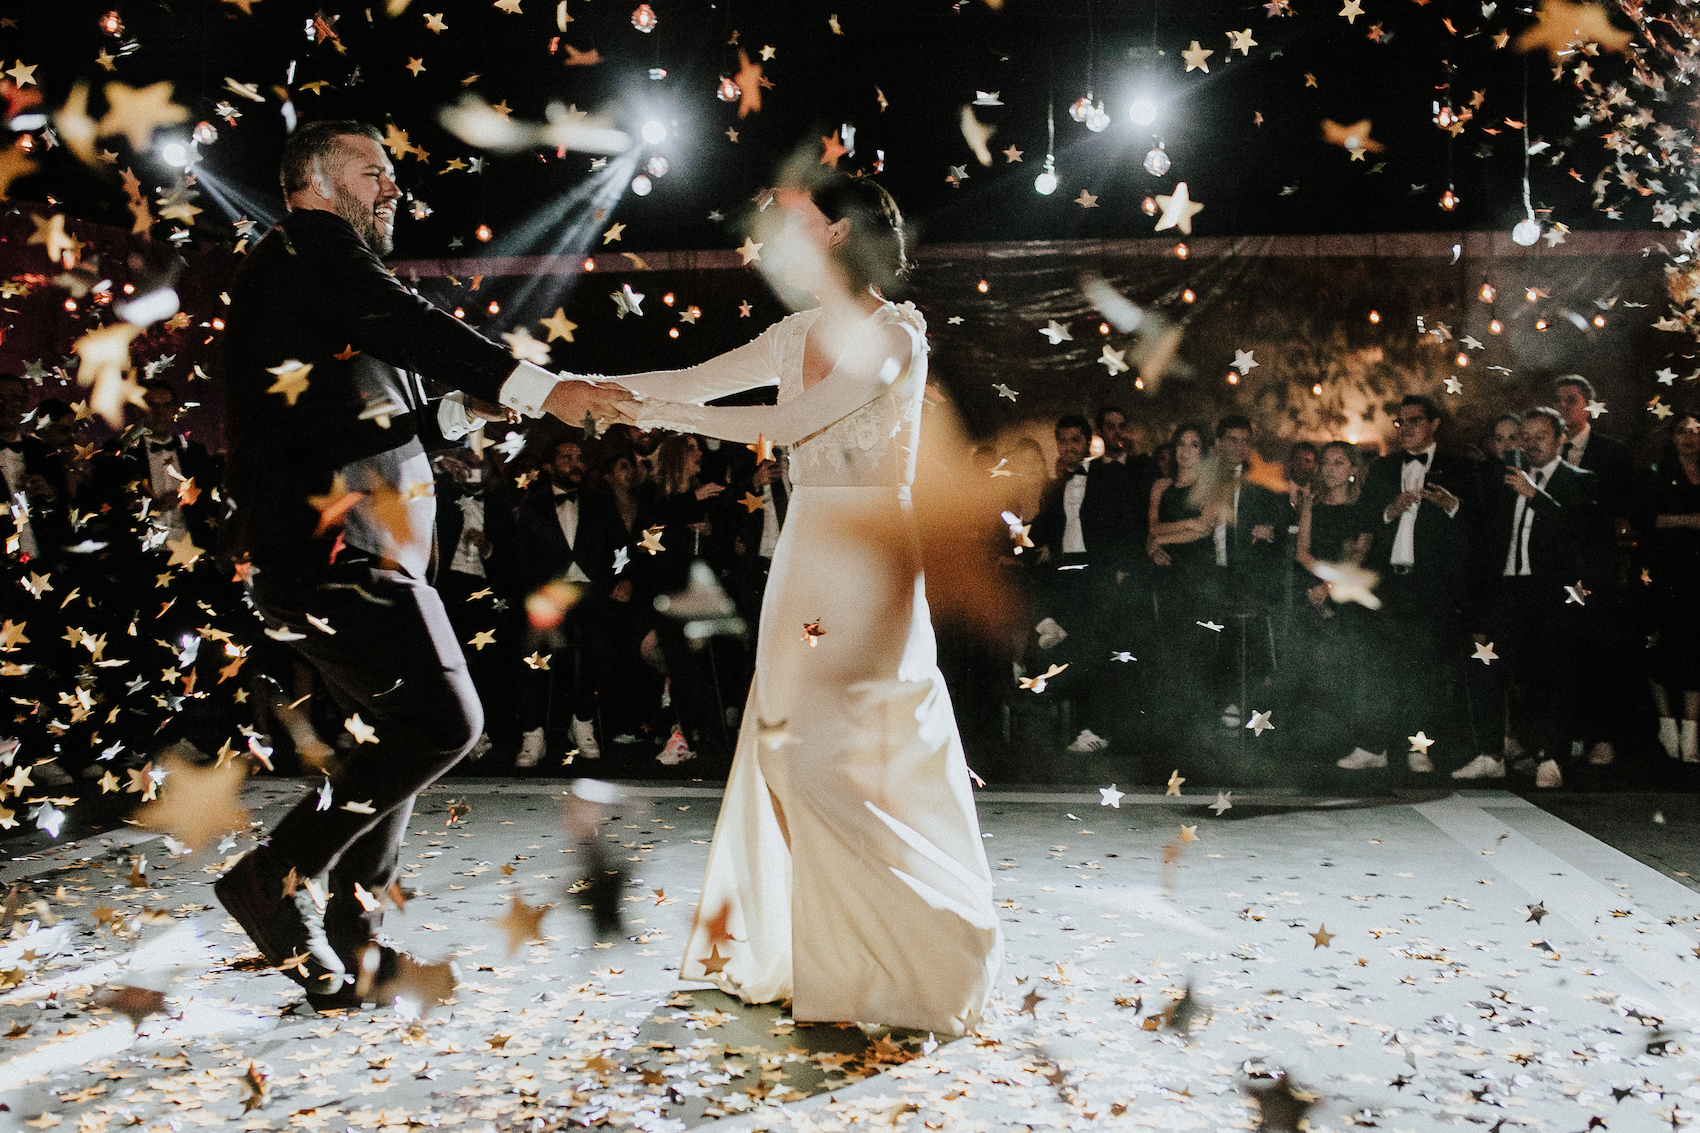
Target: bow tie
{"x":568,"y":494}
{"x":1419,"y":457}
{"x":162,"y":446}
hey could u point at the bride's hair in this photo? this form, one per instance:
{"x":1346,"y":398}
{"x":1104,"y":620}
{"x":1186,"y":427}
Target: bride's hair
{"x":874,"y":254}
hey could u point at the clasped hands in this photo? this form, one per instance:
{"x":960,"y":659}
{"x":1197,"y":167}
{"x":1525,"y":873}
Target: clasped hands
{"x":605,"y":402}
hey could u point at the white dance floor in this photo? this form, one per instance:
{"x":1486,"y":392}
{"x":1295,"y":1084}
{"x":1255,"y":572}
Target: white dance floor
{"x":1465,"y":962}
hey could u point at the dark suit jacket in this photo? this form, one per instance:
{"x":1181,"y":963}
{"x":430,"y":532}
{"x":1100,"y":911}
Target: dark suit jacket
{"x":1569,"y":540}
{"x":1610,"y":460}
{"x":1114,"y":516}
{"x":1047,"y":527}
{"x":1442,"y":541}
{"x":122,"y":476}
{"x":310,"y":292}
{"x":541,"y":549}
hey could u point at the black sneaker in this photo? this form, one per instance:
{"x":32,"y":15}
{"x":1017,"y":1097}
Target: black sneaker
{"x":287,"y":930}
{"x":375,"y":965}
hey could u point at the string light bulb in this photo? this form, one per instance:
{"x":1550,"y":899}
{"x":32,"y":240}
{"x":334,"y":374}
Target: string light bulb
{"x":111,"y":24}
{"x":1487,"y":292}
{"x":982,"y":287}
{"x":1496,"y":327}
{"x":1375,"y":316}
{"x":1449,"y":200}
{"x":1157,"y":161}
{"x":483,"y":233}
{"x":1187,"y":296}
{"x":728,"y":90}
{"x":644,"y":18}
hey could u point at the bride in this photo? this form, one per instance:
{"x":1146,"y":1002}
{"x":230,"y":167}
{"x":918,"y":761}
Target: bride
{"x":847,"y":871}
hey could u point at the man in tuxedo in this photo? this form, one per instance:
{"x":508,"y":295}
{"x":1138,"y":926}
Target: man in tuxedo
{"x":564,"y":534}
{"x":1616,"y":655}
{"x":1420,"y":500}
{"x":331,"y":524}
{"x":1545,"y":542}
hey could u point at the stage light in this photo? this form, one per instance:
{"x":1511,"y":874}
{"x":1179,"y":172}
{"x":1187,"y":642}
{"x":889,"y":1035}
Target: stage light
{"x":1148,"y":206}
{"x":483,"y":233}
{"x":1233,"y":377}
{"x":218,"y":324}
{"x":71,"y":305}
{"x":641,"y":185}
{"x":1531,"y":295}
{"x":1046,"y":183}
{"x":982,"y":287}
{"x":673,"y":332}
{"x":1375,"y":316}
{"x":1316,"y":389}
{"x":654,"y":132}
{"x":1139,"y":383}
{"x":1487,"y":292}
{"x":1526,"y":232}
{"x":1143,"y":112}
{"x":129,"y":289}
{"x":1103,"y":328}
{"x":174,"y":154}
{"x":1496,"y":327}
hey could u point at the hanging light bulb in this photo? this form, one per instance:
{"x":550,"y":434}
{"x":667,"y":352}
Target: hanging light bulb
{"x":1449,"y":199}
{"x":1599,"y":320}
{"x":111,"y":24}
{"x":982,"y":287}
{"x":1526,"y":232}
{"x":1080,"y":107}
{"x":1375,"y":316}
{"x":657,"y":166}
{"x":205,"y":133}
{"x":644,"y":18}
{"x":1487,"y":293}
{"x":728,"y":90}
{"x":1496,"y":327}
{"x":1148,"y":206}
{"x":1046,"y":183}
{"x":1462,"y":360}
{"x":589,"y":264}
{"x":641,"y":185}
{"x":494,"y":308}
{"x":1182,"y":251}
{"x":483,"y":233}
{"x":1157,"y":161}
{"x":1097,"y":118}
{"x":1187,"y":296}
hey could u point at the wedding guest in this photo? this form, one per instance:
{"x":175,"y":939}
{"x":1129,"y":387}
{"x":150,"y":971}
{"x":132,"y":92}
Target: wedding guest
{"x":1671,"y":496}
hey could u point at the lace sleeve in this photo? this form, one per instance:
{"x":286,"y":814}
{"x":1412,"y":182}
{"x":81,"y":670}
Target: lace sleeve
{"x":749,"y":366}
{"x":846,"y":389}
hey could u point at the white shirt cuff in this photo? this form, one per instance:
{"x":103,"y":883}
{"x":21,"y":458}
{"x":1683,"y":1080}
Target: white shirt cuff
{"x":453,"y":419}
{"x":527,"y":388}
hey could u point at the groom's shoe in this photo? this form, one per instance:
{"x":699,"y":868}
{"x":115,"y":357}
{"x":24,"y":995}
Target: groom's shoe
{"x":285,"y":927}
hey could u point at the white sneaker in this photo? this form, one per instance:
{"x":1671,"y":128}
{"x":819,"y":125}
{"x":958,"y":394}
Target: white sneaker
{"x":1482,"y":767}
{"x":1360,"y":759}
{"x":1050,"y":634}
{"x":1690,"y":741}
{"x":1086,"y":741}
{"x":1231,"y":716}
{"x":676,"y":751}
{"x":1548,"y":774}
{"x":1602,"y":754}
{"x":1669,"y":738}
{"x":1419,"y":761}
{"x":584,"y":738}
{"x":530,"y":749}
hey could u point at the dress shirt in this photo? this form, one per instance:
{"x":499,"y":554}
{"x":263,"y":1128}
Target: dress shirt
{"x":1074,"y":493}
{"x":566,"y":512}
{"x":1411,"y":475}
{"x":12,"y":467}
{"x":467,"y":558}
{"x":526,"y":389}
{"x":1576,"y":445}
{"x":1220,"y":535}
{"x":165,"y":474}
{"x":1522,"y":522}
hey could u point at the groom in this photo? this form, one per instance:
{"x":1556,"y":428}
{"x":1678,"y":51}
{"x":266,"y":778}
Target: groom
{"x":331,"y":527}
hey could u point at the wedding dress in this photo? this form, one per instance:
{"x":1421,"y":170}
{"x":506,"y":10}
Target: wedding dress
{"x":847,"y":871}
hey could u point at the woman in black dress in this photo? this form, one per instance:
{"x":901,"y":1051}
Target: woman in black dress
{"x":1672,"y":498}
{"x":1329,"y":635}
{"x":1187,"y":581}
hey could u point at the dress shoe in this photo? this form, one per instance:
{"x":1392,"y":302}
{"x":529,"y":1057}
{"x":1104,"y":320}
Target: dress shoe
{"x":1547,"y":775}
{"x":285,"y":928}
{"x":1087,"y":741}
{"x":1482,"y":767}
{"x":1419,"y":761}
{"x":1360,"y":759}
{"x":1601,"y":754}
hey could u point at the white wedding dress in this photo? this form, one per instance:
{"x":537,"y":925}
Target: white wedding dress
{"x":847,"y":871}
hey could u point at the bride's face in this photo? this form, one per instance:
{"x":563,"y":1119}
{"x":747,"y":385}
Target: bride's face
{"x":798,"y":239}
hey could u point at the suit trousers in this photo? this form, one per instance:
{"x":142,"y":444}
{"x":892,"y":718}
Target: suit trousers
{"x":1412,"y":666}
{"x":394,"y":661}
{"x":1534,"y":631}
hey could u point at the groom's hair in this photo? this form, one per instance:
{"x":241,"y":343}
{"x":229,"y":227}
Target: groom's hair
{"x":875,"y":253}
{"x":311,"y":144}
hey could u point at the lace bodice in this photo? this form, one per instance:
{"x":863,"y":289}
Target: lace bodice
{"x":847,"y":430}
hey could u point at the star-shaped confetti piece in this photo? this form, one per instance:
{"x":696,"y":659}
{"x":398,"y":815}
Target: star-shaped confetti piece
{"x":559,"y":326}
{"x":1086,"y":200}
{"x":1175,"y":781}
{"x":1195,"y":57}
{"x":1484,"y":653}
{"x":1420,"y":743}
{"x":1004,"y":391}
{"x":1560,"y":26}
{"x":198,"y":803}
{"x":1115,"y":361}
{"x":1223,"y":802}
{"x":1056,"y":332}
{"x":1259,"y":722}
{"x":291,"y":379}
{"x":1321,"y":936}
{"x":1178,"y":210}
{"x":1109,"y":796}
{"x":521,"y":923}
{"x":1037,"y":684}
{"x":1577,"y":594}
{"x":362,"y":732}
{"x":482,"y":638}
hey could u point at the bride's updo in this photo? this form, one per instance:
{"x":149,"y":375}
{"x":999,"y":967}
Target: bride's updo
{"x":873,"y":255}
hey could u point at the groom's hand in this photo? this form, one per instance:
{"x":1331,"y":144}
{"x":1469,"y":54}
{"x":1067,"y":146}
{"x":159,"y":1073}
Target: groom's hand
{"x":482,"y":410}
{"x":573,"y":400}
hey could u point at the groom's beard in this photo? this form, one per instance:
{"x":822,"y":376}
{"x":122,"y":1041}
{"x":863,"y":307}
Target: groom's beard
{"x":365,"y":220}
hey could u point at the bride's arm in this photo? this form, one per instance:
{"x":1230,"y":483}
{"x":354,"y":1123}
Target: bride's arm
{"x":865,"y":371}
{"x":749,"y":366}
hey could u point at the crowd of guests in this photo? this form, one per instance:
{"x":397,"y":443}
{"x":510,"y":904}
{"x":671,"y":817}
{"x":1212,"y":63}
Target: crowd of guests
{"x":1523,"y":604}
{"x":1441,"y":610}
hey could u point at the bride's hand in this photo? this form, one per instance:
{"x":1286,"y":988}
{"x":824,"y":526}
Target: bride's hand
{"x":575,"y":399}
